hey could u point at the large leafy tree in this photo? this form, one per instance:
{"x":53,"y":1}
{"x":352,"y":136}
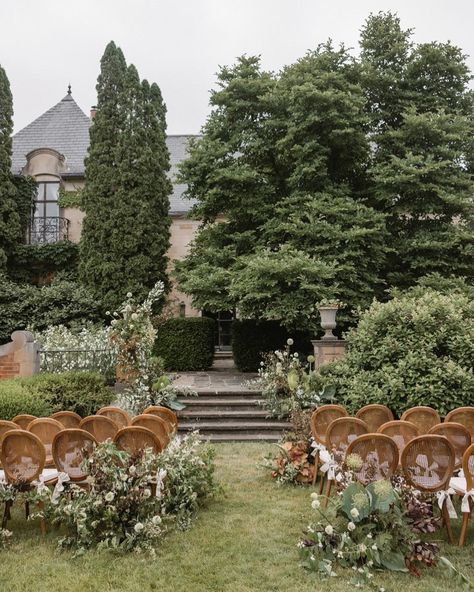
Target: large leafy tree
{"x":422,"y":132}
{"x":10,"y":219}
{"x":126,"y":196}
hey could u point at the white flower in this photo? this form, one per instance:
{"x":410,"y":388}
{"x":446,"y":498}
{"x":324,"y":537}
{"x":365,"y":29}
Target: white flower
{"x":146,"y":493}
{"x":351,"y":526}
{"x":315,"y":504}
{"x":156,"y":520}
{"x":129,"y":294}
{"x":134,"y":316}
{"x":109,"y":496}
{"x":138,"y":527}
{"x":296,"y":355}
{"x":329,"y":530}
{"x":289,"y":341}
{"x":362,"y":548}
{"x":374,"y":547}
{"x":132,"y":469}
{"x":354,"y":513}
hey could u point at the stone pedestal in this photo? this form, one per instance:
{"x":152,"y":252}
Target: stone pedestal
{"x":328,"y":350}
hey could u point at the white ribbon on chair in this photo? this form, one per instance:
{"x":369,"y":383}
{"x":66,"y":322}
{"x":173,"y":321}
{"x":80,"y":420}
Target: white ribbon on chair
{"x":445,"y":496}
{"x":160,"y":477}
{"x":317,"y":447}
{"x":329,"y":465}
{"x":469,"y":495}
{"x":40,"y":485}
{"x":59,"y":487}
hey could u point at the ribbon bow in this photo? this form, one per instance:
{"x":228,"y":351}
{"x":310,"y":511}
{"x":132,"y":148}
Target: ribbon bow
{"x":445,"y":496}
{"x":40,"y":485}
{"x":469,"y":495}
{"x":160,"y":477}
{"x":317,"y":447}
{"x":59,"y":487}
{"x":329,"y":465}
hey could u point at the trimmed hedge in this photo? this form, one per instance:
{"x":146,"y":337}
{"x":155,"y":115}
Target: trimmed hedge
{"x":251,"y":338}
{"x":186,"y":343}
{"x":43,"y":394}
{"x":82,"y":392}
{"x":17,"y":398}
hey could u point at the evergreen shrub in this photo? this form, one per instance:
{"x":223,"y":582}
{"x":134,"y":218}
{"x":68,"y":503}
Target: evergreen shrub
{"x":17,"y":398}
{"x":186,"y":343}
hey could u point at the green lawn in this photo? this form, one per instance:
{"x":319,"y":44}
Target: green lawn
{"x":243,"y":542}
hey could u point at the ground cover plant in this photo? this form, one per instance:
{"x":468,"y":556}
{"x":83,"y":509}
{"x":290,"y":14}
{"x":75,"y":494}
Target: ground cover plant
{"x":245,"y":540}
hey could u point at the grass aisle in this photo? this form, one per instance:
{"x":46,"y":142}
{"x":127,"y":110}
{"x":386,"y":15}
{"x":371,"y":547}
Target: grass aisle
{"x":243,"y":542}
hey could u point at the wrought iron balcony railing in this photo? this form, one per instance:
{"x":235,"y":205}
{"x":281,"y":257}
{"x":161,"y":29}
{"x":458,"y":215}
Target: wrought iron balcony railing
{"x":50,"y":229}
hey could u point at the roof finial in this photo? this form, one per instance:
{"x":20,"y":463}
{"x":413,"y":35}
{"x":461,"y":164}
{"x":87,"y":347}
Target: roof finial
{"x":69,"y":89}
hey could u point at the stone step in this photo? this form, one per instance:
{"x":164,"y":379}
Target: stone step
{"x":197,"y":403}
{"x":226,"y":392}
{"x":212,"y":413}
{"x":233,"y":426}
{"x":241,"y":437}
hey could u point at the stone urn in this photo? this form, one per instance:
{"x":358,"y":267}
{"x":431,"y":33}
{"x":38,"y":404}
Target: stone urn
{"x":328,"y":320}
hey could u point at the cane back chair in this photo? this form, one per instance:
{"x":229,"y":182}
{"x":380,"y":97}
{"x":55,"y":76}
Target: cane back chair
{"x":46,"y":428}
{"x":464,"y":416}
{"x":69,"y":419}
{"x":459,"y":437}
{"x":428,"y":464}
{"x":374,"y":416}
{"x":400,"y":431}
{"x":70,"y":447}
{"x":121,"y":417}
{"x":468,"y":470}
{"x":156,"y":424}
{"x":164,"y":413}
{"x":320,"y":420}
{"x":24,"y":420}
{"x":101,"y":427}
{"x":423,"y":417}
{"x":136,"y":438}
{"x":379,"y":455}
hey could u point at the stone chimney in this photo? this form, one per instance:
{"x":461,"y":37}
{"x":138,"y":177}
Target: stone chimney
{"x":93,"y":111}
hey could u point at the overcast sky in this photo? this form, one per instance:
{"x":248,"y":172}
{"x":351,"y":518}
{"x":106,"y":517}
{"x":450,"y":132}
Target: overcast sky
{"x":179,"y":44}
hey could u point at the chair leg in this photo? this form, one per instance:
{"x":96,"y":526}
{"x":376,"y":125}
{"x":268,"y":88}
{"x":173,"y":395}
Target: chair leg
{"x":328,"y":492}
{"x":27,"y":510}
{"x":465,"y":521}
{"x":321,"y":484}
{"x":316,"y":466}
{"x":447,"y":522}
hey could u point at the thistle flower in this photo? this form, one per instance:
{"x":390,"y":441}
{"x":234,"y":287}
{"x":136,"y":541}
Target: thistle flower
{"x":311,"y":359}
{"x":315,"y":504}
{"x":354,"y":462}
{"x":382,"y":488}
{"x":360,"y":500}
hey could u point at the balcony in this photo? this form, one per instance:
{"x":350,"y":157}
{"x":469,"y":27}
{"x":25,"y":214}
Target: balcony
{"x":51,"y":229}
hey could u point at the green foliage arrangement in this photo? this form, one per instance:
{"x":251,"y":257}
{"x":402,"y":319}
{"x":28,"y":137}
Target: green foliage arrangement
{"x":82,"y":392}
{"x":125,"y":234}
{"x":16,"y":397}
{"x":186,"y":343}
{"x":251,"y":339}
{"x":416,"y":349}
{"x":63,"y":302}
{"x":70,"y":199}
{"x":355,"y":171}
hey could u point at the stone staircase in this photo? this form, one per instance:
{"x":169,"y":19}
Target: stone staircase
{"x":229,"y":414}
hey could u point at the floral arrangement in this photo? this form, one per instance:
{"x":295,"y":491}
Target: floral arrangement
{"x":132,"y":500}
{"x":133,"y":334}
{"x":190,"y":477}
{"x":285,"y":382}
{"x":292,"y":465}
{"x":93,"y":340}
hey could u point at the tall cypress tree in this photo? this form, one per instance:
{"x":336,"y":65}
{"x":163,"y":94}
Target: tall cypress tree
{"x":10,"y":223}
{"x":126,"y":229}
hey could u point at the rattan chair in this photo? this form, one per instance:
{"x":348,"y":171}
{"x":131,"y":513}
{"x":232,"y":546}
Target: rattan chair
{"x":423,"y":417}
{"x":23,"y":456}
{"x":468,"y":470}
{"x":464,"y":416}
{"x":69,"y":419}
{"x":24,"y":420}
{"x":70,"y":447}
{"x":459,"y":437}
{"x":101,"y":427}
{"x":374,"y":416}
{"x":320,"y":420}
{"x":133,"y":439}
{"x":165,"y":413}
{"x":379,"y":454}
{"x":121,"y":417}
{"x":400,"y":431}
{"x":340,"y":433}
{"x":156,"y":424}
{"x":7,"y":426}
{"x":428,"y":464}
{"x":46,"y":428}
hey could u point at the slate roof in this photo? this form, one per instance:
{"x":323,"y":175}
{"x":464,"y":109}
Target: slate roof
{"x":65,"y":128}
